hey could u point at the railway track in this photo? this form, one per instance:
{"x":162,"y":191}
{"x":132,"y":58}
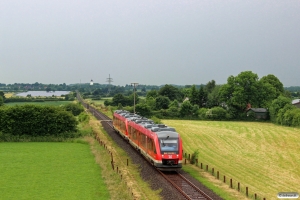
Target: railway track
{"x":186,"y":188}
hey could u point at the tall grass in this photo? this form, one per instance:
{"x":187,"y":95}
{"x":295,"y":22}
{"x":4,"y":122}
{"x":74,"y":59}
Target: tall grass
{"x":262,"y":156}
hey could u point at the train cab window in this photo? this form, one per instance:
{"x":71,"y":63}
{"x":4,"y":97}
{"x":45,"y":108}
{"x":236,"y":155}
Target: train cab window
{"x":169,"y":146}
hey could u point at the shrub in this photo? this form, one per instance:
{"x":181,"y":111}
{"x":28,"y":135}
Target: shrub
{"x":202,"y":113}
{"x":74,"y":108}
{"x":194,"y":156}
{"x":33,"y":120}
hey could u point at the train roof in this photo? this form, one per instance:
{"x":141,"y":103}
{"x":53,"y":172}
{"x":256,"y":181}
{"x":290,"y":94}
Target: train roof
{"x":161,"y":130}
{"x":165,"y":134}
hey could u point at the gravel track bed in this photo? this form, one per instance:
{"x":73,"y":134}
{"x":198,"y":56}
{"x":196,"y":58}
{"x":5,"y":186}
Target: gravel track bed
{"x":149,"y":174}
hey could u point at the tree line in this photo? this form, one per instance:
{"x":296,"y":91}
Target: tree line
{"x":217,"y":102}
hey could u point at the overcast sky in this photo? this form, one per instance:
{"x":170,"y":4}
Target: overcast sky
{"x":152,"y":42}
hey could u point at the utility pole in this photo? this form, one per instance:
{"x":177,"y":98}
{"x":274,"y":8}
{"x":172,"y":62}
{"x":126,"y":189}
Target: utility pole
{"x":134,"y":84}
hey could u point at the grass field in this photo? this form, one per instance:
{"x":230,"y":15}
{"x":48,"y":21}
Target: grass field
{"x":262,"y":156}
{"x":49,"y":171}
{"x":48,"y":103}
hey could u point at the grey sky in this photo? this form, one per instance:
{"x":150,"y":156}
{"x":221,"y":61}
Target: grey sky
{"x":151,"y":42}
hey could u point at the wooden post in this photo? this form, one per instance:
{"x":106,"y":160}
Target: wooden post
{"x":231,"y":183}
{"x":201,"y":166}
{"x":255,"y":196}
{"x":185,"y":161}
{"x":246,"y":191}
{"x":189,"y":156}
{"x":112,"y":165}
{"x":206,"y":167}
{"x":212,"y":171}
{"x":224,"y":179}
{"x":238,"y":186}
{"x":217,"y":174}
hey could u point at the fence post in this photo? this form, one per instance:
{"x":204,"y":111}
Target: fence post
{"x":238,"y":186}
{"x":231,"y":183}
{"x":189,"y":156}
{"x":206,"y":167}
{"x":213,"y":171}
{"x":217,"y":174}
{"x":185,"y":161}
{"x":224,"y":179}
{"x":246,"y":191}
{"x":255,"y":196}
{"x":201,"y":166}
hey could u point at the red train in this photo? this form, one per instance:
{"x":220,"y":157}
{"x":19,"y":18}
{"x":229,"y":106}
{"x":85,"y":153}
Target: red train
{"x":160,"y":144}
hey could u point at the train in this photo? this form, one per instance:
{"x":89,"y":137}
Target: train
{"x":158,"y":143}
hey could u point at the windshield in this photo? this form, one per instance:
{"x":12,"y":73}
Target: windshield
{"x":169,"y":146}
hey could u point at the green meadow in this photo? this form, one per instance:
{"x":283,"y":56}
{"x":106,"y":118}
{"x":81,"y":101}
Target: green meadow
{"x":47,"y":103}
{"x":261,"y":156}
{"x":50,"y":171}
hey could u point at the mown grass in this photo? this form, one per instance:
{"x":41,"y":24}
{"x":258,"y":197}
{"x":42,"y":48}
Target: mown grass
{"x":50,"y":171}
{"x":261,"y":156}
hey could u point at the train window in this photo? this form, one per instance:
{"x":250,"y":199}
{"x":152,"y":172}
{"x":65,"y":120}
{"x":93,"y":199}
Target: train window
{"x":169,"y":146}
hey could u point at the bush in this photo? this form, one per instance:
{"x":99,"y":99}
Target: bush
{"x":202,"y":113}
{"x":218,"y":113}
{"x":74,"y":108}
{"x":33,"y":120}
{"x":194,"y":156}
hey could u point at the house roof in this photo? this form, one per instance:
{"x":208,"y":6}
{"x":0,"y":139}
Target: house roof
{"x":258,"y":110}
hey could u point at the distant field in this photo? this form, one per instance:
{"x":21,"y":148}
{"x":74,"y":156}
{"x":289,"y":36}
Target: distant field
{"x":98,"y":102}
{"x":8,"y":94}
{"x":262,"y":156}
{"x":48,"y":103}
{"x":49,"y":171}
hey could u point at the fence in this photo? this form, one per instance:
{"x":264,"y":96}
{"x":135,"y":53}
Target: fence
{"x":231,"y":183}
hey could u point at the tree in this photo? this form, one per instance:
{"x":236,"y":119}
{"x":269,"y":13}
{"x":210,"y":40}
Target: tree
{"x":240,"y":90}
{"x":213,"y":97}
{"x":194,"y":96}
{"x":273,"y":81}
{"x":276,"y":105}
{"x":171,"y":92}
{"x":143,"y":110}
{"x":202,"y":97}
{"x":186,"y":109}
{"x":210,"y":86}
{"x":2,"y":95}
{"x":1,"y":101}
{"x":162,"y":102}
{"x":119,"y":99}
{"x":152,"y":94}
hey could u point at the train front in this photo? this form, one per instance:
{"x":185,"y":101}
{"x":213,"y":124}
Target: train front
{"x":170,"y":146}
